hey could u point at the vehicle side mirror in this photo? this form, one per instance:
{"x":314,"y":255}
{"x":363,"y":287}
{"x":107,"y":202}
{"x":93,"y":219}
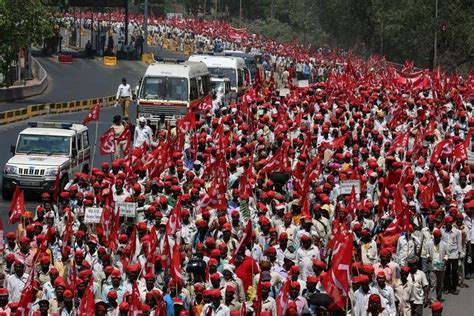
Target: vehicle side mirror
{"x":74,"y":153}
{"x":12,"y":149}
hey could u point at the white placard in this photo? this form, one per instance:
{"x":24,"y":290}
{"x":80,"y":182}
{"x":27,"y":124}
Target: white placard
{"x":92,"y":215}
{"x":284,"y":92}
{"x":470,"y":157}
{"x":127,"y":209}
{"x":303,"y":83}
{"x":346,"y":186}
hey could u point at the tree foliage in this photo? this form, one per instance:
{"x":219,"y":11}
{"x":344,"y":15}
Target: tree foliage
{"x":22,"y":22}
{"x":399,"y":30}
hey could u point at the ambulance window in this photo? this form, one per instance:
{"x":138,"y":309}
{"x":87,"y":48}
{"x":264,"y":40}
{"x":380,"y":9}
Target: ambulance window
{"x":79,"y":142}
{"x":74,"y":143}
{"x":206,"y":84}
{"x":240,"y":81}
{"x":194,"y":95}
{"x":85,"y":139}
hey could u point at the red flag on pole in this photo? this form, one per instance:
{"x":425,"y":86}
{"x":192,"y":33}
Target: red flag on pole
{"x":205,"y":104}
{"x":336,"y":281}
{"x":17,"y":206}
{"x":57,"y":184}
{"x":282,"y":298}
{"x":93,"y":114}
{"x":174,"y":223}
{"x":176,"y":265}
{"x":244,"y":241}
{"x":108,"y":142}
{"x":87,"y":302}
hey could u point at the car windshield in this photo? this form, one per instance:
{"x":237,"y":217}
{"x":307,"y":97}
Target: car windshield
{"x":225,"y":73}
{"x":165,"y":88}
{"x":218,"y":86}
{"x":44,"y":144}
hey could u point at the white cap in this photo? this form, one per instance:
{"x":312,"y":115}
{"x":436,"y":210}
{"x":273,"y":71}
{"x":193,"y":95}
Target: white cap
{"x":141,"y":119}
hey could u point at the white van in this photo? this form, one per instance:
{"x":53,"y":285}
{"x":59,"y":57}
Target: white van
{"x":43,"y":149}
{"x":169,"y":88}
{"x":233,"y":68}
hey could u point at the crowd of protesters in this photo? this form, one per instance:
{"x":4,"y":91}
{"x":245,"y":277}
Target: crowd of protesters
{"x":348,"y":196}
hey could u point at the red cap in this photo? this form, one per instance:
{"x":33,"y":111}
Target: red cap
{"x":436,"y":306}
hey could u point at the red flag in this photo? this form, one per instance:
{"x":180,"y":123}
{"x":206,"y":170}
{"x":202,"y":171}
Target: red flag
{"x":25,"y":304}
{"x":460,"y":153}
{"x":401,"y":141}
{"x":187,"y":123}
{"x":105,"y":226}
{"x":216,"y":196}
{"x":278,"y":162}
{"x":57,"y":184}
{"x":108,"y":142}
{"x":131,"y":247}
{"x":174,"y":222}
{"x":166,"y":254}
{"x":336,"y":281}
{"x":282,"y":298}
{"x":135,"y":304}
{"x":68,"y":232}
{"x":87,"y":302}
{"x":402,"y":214}
{"x":439,"y":148}
{"x":205,"y":104}
{"x":176,"y":265}
{"x":17,"y":206}
{"x":245,"y":190}
{"x":93,"y":114}
{"x":244,"y":240}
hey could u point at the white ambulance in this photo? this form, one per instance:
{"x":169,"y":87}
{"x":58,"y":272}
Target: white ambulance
{"x":233,"y":68}
{"x":43,"y":149}
{"x":169,"y":88}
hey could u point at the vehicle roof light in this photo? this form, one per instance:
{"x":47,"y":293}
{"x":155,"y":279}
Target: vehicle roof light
{"x":50,"y":125}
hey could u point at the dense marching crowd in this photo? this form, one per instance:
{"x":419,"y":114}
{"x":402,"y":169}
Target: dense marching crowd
{"x":349,"y":196}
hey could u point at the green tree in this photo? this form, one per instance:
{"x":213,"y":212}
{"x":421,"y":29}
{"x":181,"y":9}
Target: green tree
{"x":22,"y":23}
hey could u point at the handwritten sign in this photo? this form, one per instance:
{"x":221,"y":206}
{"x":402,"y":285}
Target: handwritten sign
{"x":127,"y":209}
{"x":303,"y":83}
{"x":347,"y":185}
{"x":284,"y":92}
{"x":470,"y":157}
{"x":92,"y":215}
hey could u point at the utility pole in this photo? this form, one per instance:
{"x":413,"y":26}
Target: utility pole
{"x":145,"y":28}
{"x":240,"y":13}
{"x":435,"y":48}
{"x":271,"y":10}
{"x":126,"y":22}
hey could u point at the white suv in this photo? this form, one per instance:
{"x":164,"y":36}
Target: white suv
{"x":43,"y":149}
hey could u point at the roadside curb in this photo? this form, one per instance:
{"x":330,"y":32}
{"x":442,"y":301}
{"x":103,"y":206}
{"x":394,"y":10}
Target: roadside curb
{"x":36,"y":110}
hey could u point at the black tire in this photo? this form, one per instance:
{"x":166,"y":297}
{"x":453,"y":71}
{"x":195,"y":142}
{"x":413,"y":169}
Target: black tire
{"x":6,"y":194}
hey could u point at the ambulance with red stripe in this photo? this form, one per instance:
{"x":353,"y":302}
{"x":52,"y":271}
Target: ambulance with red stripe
{"x":169,"y":88}
{"x":42,"y":150}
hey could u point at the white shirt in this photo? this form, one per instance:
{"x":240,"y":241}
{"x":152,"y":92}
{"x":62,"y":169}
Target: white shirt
{"x":124,"y":91}
{"x":453,"y":241}
{"x":142,"y":135}
{"x":222,"y":310}
{"x":419,"y":281}
{"x":15,"y":286}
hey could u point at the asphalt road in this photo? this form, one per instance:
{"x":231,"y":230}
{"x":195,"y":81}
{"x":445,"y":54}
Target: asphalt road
{"x":85,"y":79}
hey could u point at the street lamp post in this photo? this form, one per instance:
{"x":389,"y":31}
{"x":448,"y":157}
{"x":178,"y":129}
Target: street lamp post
{"x":145,"y":27}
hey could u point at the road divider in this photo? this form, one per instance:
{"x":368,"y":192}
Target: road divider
{"x":148,"y":58}
{"x":65,"y":59}
{"x":30,"y":111}
{"x":110,"y":60}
